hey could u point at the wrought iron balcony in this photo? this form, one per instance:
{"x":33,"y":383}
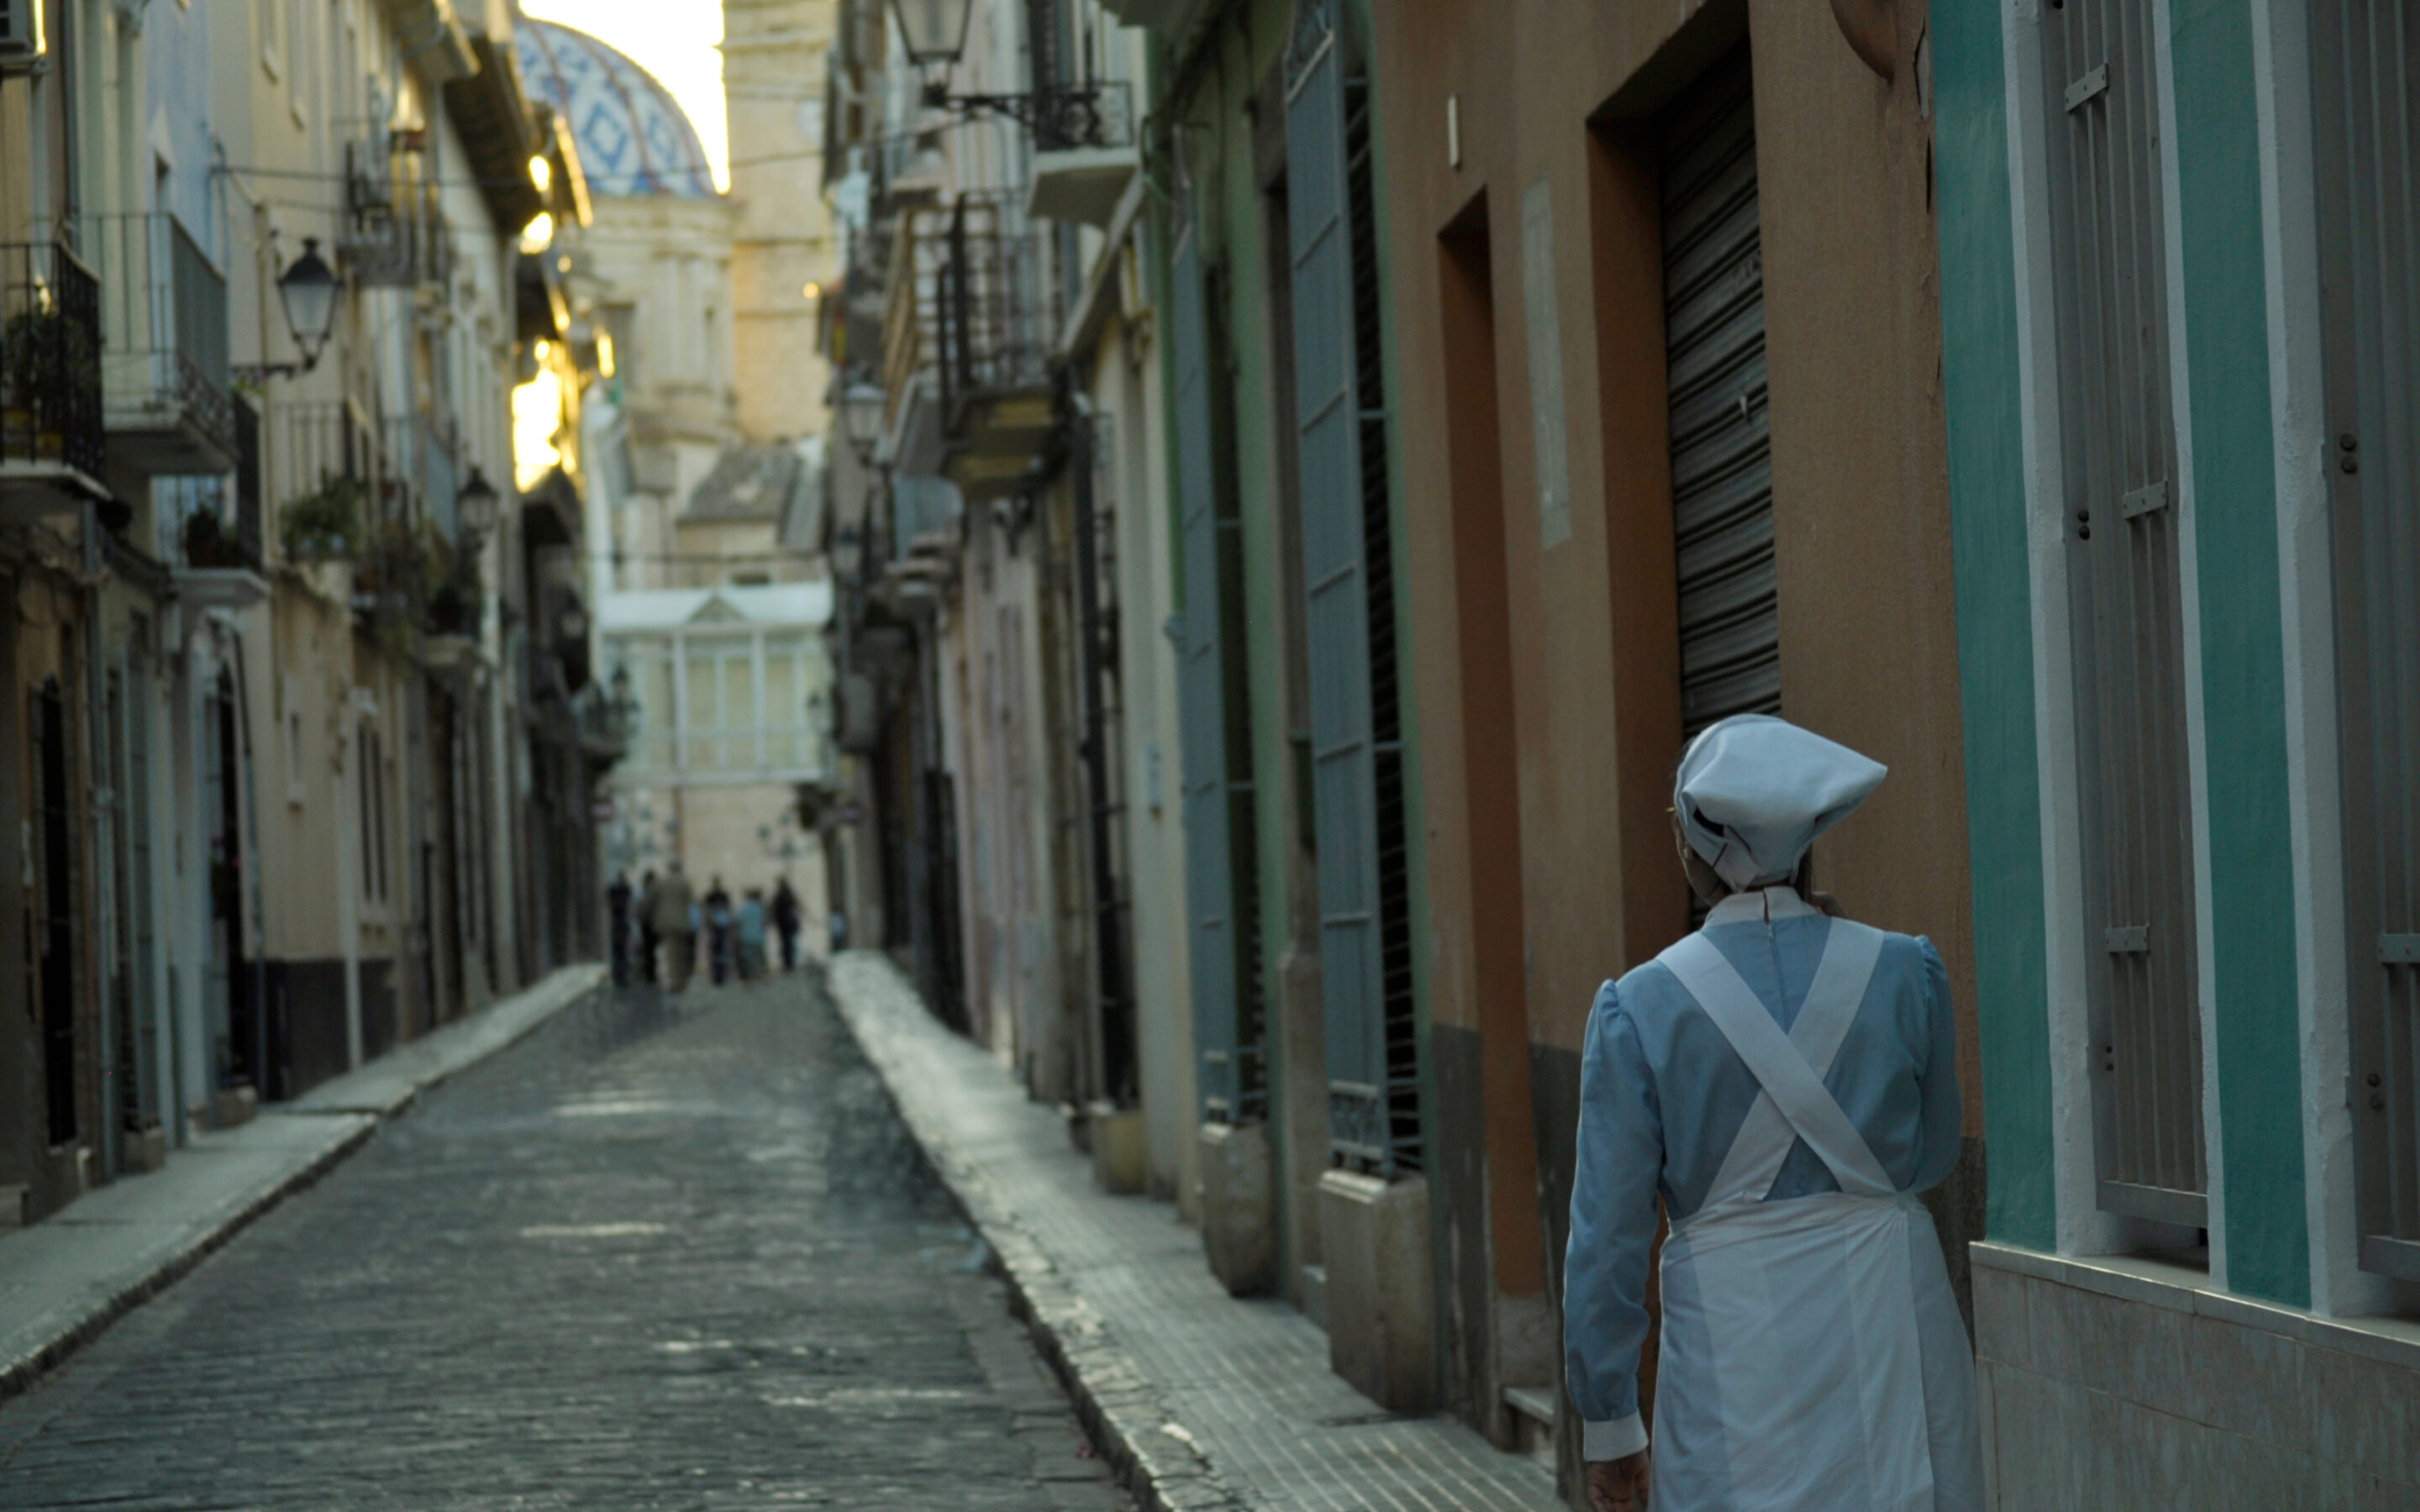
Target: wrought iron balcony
{"x":393,"y":234}
{"x":973,"y":314}
{"x":218,"y":538}
{"x":165,"y":382}
{"x":51,"y":428}
{"x":1084,"y":154}
{"x":219,"y":562}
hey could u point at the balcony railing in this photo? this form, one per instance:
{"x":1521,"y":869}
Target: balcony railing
{"x":1098,"y":114}
{"x":425,"y":456}
{"x":222,"y":532}
{"x":49,"y":359}
{"x":393,"y":232}
{"x":970,"y":298}
{"x":164,"y":374}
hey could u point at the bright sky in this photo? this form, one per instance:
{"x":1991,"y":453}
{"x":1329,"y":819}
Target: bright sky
{"x":677,"y":42}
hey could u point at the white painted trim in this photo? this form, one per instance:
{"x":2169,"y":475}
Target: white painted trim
{"x":2189,"y":583}
{"x":2080,"y":1226}
{"x":2283,"y":85}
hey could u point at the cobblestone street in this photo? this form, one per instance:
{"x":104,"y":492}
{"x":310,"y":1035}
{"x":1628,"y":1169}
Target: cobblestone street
{"x":661,"y":1256}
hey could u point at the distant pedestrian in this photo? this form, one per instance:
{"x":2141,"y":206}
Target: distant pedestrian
{"x":645,"y":915}
{"x":839,"y":932}
{"x":718,"y":923}
{"x":787,"y":917}
{"x":751,"y":934}
{"x":1778,"y":1085}
{"x":672,"y":909}
{"x":617,"y":921}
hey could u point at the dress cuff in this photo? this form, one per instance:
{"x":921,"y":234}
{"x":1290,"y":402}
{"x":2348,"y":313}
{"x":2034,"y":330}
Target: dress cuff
{"x":1613,"y":1439}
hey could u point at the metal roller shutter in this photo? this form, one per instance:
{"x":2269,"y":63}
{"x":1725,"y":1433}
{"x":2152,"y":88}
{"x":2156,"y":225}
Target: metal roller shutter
{"x":1722,"y":469}
{"x":2125,"y":594}
{"x":2365,"y":57}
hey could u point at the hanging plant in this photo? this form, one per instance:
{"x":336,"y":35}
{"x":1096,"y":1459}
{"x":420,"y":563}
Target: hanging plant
{"x":324,"y":525}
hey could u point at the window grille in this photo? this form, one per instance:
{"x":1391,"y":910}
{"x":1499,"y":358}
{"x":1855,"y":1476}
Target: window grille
{"x":2364,"y":55}
{"x":2125,"y":572}
{"x":1220,"y":886}
{"x":1348,"y":578}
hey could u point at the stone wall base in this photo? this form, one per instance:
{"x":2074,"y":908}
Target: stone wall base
{"x":1239,"y":1215}
{"x":1381,"y":1308}
{"x":2121,"y":1382}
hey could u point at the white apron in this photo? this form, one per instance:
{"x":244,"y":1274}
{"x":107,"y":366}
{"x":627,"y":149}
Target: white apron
{"x":1813,"y":1359}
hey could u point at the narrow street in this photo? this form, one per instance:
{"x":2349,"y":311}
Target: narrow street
{"x":660,"y":1254}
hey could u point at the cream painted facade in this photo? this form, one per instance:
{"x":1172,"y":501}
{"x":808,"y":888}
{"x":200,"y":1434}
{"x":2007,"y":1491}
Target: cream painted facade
{"x":783,"y":252}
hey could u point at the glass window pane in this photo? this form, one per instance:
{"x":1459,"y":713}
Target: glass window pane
{"x":738,"y":709}
{"x":784,"y":706}
{"x":702,"y":713}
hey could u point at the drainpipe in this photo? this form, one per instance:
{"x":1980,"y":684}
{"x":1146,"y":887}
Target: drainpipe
{"x":100,"y":744}
{"x":349,"y":908}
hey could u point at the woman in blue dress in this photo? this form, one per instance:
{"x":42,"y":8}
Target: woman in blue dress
{"x":1785,"y":1082}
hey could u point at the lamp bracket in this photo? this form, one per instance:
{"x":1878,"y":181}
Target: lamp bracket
{"x":1056,"y":118}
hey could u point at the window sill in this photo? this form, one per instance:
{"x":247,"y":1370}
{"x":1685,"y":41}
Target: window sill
{"x":2164,"y":1281}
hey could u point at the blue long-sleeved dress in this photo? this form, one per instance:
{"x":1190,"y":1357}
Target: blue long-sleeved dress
{"x":1663,"y":1095}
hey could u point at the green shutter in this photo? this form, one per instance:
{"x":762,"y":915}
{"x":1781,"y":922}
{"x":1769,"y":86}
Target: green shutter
{"x":1355,"y":763}
{"x":1216,"y":772}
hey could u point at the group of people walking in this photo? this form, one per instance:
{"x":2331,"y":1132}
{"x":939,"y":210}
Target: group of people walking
{"x":657,"y":926}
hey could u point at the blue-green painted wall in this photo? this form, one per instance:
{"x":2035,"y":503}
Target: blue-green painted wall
{"x":2252,"y":954}
{"x":1979,"y":327}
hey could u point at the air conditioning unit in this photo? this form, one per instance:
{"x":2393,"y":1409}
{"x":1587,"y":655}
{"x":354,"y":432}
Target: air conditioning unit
{"x":21,"y":32}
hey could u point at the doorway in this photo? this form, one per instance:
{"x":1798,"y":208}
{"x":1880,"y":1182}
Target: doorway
{"x":54,"y":920}
{"x":1514,"y":1378}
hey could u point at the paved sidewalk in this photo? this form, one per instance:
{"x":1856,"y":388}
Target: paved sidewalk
{"x":1204,"y":1401}
{"x":67,"y":1278}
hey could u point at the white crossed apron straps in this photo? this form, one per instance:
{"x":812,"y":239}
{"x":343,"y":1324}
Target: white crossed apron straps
{"x":1790,"y":1067}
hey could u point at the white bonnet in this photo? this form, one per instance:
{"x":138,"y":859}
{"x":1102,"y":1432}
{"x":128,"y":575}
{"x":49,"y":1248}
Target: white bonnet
{"x":1753,"y":792}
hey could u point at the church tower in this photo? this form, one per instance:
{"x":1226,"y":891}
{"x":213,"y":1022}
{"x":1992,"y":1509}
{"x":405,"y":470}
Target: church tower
{"x":773,"y":81}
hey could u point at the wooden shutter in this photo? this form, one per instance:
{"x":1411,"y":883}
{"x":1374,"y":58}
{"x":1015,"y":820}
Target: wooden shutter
{"x":1348,"y":612}
{"x":2124,"y":566}
{"x":1722,"y":467}
{"x":2365,"y":54}
{"x":1215,"y":729}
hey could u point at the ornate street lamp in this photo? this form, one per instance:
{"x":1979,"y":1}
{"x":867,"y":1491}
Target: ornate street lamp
{"x":934,"y":33}
{"x":860,"y":420}
{"x":935,"y":30}
{"x":476,"y":505}
{"x":307,"y":290}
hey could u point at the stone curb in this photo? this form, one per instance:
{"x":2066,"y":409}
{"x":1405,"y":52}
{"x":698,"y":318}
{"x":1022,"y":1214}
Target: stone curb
{"x":1153,"y":1456}
{"x":87,"y":1319}
{"x":89,"y":1322}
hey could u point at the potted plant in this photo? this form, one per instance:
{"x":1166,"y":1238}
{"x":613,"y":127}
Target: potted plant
{"x":208,"y":543}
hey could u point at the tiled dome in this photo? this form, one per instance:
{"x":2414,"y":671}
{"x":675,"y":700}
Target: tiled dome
{"x":633,"y":137}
